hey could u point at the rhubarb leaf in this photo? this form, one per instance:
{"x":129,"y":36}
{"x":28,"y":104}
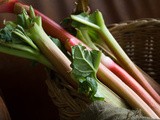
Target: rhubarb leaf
{"x":91,"y":20}
{"x":90,"y":26}
{"x":84,"y":68}
{"x":5,"y":33}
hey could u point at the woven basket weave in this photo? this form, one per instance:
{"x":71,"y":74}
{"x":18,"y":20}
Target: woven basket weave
{"x":140,"y":39}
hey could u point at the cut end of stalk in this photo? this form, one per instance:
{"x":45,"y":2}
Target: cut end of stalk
{"x":18,"y":7}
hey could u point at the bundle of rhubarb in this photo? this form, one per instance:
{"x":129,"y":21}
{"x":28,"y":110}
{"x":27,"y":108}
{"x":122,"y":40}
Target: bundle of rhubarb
{"x":86,"y":61}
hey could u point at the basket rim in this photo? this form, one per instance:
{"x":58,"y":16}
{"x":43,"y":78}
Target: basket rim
{"x":134,"y":23}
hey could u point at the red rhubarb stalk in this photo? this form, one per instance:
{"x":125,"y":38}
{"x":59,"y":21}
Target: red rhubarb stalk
{"x":7,"y":6}
{"x":125,"y":77}
{"x":153,"y":83}
{"x":113,"y":82}
{"x":124,"y":60}
{"x":68,"y":37}
{"x":132,"y":83}
{"x":55,"y":30}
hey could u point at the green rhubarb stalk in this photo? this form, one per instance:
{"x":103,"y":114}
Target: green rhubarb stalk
{"x":114,"y":83}
{"x":62,"y":63}
{"x":117,"y":85}
{"x":54,"y":29}
{"x":85,"y":35}
{"x":96,"y":22}
{"x":38,"y":39}
{"x":28,"y":55}
{"x":93,"y":41}
{"x":64,"y":36}
{"x":89,"y":37}
{"x":85,"y":65}
{"x":35,"y":32}
{"x":14,"y":44}
{"x":51,"y":51}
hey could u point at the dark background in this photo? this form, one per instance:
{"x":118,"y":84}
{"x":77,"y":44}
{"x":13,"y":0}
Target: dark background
{"x":23,"y":85}
{"x":113,"y":10}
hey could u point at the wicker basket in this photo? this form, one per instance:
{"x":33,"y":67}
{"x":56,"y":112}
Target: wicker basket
{"x":141,"y":41}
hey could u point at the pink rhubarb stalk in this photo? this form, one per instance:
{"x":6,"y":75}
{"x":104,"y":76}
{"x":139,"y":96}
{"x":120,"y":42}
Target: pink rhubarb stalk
{"x":7,"y":6}
{"x":55,"y":30}
{"x":124,"y":76}
{"x":131,"y":82}
{"x":113,"y":82}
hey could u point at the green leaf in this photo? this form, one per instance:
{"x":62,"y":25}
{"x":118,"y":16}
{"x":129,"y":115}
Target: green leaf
{"x":67,"y":25}
{"x":84,"y":68}
{"x":87,"y":36}
{"x":86,"y":19}
{"x":27,"y":20}
{"x":21,"y":20}
{"x":5,"y":33}
{"x":15,"y":38}
{"x":57,"y":42}
{"x":90,"y":28}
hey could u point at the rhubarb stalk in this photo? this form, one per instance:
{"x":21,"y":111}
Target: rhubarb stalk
{"x":30,"y":28}
{"x":7,"y":6}
{"x":102,"y":74}
{"x":122,"y":89}
{"x":96,"y":22}
{"x":44,"y":45}
{"x":55,"y":30}
{"x":84,"y":34}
